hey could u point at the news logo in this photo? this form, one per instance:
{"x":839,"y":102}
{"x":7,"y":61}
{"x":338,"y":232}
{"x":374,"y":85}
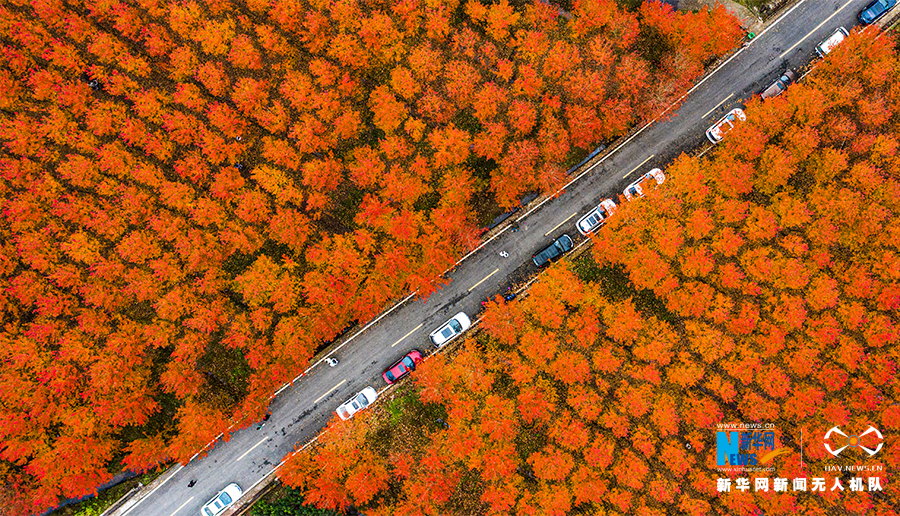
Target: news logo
{"x":853,"y":441}
{"x":746,"y":448}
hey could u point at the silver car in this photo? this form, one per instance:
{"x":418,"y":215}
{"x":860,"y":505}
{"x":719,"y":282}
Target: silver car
{"x":725,"y":124}
{"x":596,"y":217}
{"x":635,"y":190}
{"x":451,"y":329}
{"x":222,"y":501}
{"x":839,"y":34}
{"x":359,"y":401}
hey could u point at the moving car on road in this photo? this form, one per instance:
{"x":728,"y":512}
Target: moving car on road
{"x":402,"y":367}
{"x":553,"y":251}
{"x":780,"y":84}
{"x":596,"y":217}
{"x":361,"y":400}
{"x":222,"y":501}
{"x":875,"y":10}
{"x":636,"y":191}
{"x":725,"y":124}
{"x":451,"y":329}
{"x":832,"y":41}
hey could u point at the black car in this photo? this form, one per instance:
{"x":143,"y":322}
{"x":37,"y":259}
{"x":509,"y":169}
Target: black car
{"x":553,"y":251}
{"x":875,"y":10}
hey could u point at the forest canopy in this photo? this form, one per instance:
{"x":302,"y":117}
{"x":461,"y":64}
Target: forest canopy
{"x":197,"y":195}
{"x":760,"y":283}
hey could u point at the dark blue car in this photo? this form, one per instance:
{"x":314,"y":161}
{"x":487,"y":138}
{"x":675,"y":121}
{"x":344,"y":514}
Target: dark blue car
{"x":875,"y":10}
{"x":553,"y":251}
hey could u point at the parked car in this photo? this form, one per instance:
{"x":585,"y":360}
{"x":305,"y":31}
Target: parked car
{"x":402,"y":367}
{"x":553,"y":251}
{"x":780,"y":84}
{"x":875,"y":10}
{"x":725,"y":124}
{"x":596,"y":217}
{"x":832,"y":41}
{"x":222,"y":501}
{"x":361,"y":400}
{"x":451,"y":329}
{"x":635,"y":190}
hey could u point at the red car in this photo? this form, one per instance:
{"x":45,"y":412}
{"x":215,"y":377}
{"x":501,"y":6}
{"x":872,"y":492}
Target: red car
{"x":402,"y":367}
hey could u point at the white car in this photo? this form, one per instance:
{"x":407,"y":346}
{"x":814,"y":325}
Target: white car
{"x":451,"y":329}
{"x":222,"y":501}
{"x":636,"y":191}
{"x":725,"y":124}
{"x":596,"y":217}
{"x":832,"y":41}
{"x":361,"y":400}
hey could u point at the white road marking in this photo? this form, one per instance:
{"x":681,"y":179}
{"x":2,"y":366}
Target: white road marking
{"x":177,"y":469}
{"x":264,"y":439}
{"x":639,"y":166}
{"x":408,"y":334}
{"x":817,"y":28}
{"x":717,"y":106}
{"x":182,"y":506}
{"x":483,"y":279}
{"x":561,"y":223}
{"x":330,"y":391}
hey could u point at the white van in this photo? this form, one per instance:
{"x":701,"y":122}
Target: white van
{"x":834,"y":40}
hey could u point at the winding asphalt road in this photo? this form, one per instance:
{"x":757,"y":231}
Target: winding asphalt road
{"x":300,"y":411}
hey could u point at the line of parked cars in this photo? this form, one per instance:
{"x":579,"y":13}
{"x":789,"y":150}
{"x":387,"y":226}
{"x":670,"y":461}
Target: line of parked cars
{"x":717,"y":131}
{"x":870,"y":14}
{"x":873,"y":12}
{"x":597,"y":217}
{"x":589,"y":223}
{"x":446,"y":332}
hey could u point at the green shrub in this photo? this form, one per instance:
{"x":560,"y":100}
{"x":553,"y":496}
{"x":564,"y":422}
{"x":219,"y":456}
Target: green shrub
{"x":290,"y":504}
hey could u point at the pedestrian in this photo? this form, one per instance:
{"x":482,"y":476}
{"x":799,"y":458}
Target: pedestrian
{"x":504,"y":254}
{"x":192,"y":482}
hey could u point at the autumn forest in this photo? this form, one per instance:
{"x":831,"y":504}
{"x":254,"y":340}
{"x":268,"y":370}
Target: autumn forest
{"x":196,"y":196}
{"x":764,"y":286}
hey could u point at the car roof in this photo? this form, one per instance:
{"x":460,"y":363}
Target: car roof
{"x":833,"y":40}
{"x":545,"y":254}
